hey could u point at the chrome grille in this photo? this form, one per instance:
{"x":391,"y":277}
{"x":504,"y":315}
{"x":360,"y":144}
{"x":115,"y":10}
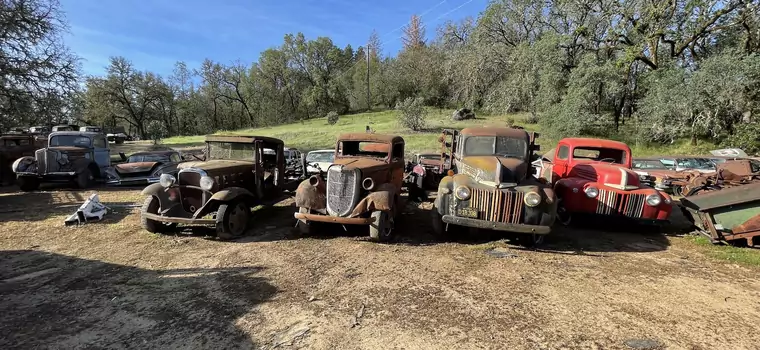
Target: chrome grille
{"x":630,"y":205}
{"x":342,"y":190}
{"x":498,"y":206}
{"x":190,"y":178}
{"x":42,"y":160}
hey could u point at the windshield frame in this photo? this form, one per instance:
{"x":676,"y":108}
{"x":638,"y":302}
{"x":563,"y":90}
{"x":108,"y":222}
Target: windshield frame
{"x":522,"y":156}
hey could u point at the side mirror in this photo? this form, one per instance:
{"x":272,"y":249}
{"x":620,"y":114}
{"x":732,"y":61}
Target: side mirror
{"x":535,"y":147}
{"x":123,"y":156}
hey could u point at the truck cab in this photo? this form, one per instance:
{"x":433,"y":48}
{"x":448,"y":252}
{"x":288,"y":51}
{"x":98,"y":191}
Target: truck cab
{"x":594,"y":176}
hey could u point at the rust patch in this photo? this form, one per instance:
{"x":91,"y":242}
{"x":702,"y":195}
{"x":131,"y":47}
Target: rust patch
{"x":751,"y":225}
{"x":383,"y":199}
{"x":356,"y":136}
{"x":310,"y":196}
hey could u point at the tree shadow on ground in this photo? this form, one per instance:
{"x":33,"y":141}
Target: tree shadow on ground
{"x":51,"y":300}
{"x":416,"y":223}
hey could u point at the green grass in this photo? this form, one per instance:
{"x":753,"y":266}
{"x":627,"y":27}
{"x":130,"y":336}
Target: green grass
{"x":744,"y":256}
{"x":317,"y":134}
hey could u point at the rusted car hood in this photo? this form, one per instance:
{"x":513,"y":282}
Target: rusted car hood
{"x":218,"y":166}
{"x":492,"y":168}
{"x":607,"y":174}
{"x":363,"y":164}
{"x":723,"y":198}
{"x":137,"y":167}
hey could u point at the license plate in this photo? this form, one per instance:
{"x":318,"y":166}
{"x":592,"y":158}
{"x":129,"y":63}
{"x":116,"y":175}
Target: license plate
{"x":467,"y":213}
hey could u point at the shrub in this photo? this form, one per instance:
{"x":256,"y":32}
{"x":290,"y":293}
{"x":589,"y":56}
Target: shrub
{"x":532,"y":119}
{"x":155,"y":130}
{"x":510,"y":121}
{"x":463,"y":114}
{"x":332,"y":118}
{"x":746,"y":136}
{"x":412,"y":114}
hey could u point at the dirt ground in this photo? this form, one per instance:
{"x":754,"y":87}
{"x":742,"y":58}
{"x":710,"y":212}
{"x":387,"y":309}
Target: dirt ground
{"x":113,"y":285}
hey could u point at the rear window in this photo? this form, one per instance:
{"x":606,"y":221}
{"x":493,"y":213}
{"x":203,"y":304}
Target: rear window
{"x":363,"y":149}
{"x":70,"y":140}
{"x":597,"y":154}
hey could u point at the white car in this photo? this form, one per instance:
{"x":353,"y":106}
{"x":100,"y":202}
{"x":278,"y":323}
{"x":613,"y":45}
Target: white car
{"x":323,"y":158}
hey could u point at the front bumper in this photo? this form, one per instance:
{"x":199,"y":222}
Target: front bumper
{"x":333,"y":219}
{"x":133,"y":181}
{"x":498,"y":226}
{"x":179,"y":220}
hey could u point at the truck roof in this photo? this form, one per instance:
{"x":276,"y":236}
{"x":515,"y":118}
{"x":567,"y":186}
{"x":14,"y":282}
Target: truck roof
{"x":241,"y":139}
{"x":83,"y":133}
{"x":596,"y":143}
{"x":363,"y":136}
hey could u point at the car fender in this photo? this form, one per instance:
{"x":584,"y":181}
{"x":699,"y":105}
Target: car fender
{"x":384,"y":199}
{"x":152,"y":189}
{"x":25,"y":164}
{"x":232,"y":193}
{"x":312,"y":196}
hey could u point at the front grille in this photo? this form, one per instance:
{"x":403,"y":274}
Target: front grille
{"x":630,"y":205}
{"x":41,"y":156}
{"x":189,"y":178}
{"x":342,"y":190}
{"x":192,"y":198}
{"x":498,"y":206}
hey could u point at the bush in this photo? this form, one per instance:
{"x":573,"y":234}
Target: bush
{"x":412,"y":114}
{"x":463,"y":114}
{"x":532,"y":119}
{"x":747,"y":137}
{"x":511,"y":121}
{"x":155,"y":130}
{"x":332,"y":118}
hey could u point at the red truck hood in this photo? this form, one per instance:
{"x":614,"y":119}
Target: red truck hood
{"x":607,"y":174}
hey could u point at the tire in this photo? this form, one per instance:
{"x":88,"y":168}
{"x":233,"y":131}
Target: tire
{"x":530,"y":240}
{"x":28,"y":184}
{"x":119,"y":141}
{"x":152,"y":206}
{"x":232,"y":219}
{"x":439,"y":227}
{"x":381,"y":229}
{"x":563,"y":217}
{"x":85,"y":179}
{"x":305,"y":228}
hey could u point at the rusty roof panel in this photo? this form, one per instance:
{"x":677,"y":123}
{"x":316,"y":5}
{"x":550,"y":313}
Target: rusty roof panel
{"x":496,"y":131}
{"x":363,"y":136}
{"x":724,"y":197}
{"x":241,"y":139}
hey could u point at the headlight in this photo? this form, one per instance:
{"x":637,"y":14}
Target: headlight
{"x":654,"y":199}
{"x":166,"y":180}
{"x":591,"y":192}
{"x":207,"y":183}
{"x":532,"y":199}
{"x":462,"y":193}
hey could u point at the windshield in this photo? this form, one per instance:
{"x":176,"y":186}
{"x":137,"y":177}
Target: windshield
{"x":617,"y":156}
{"x":230,"y":150}
{"x":695,"y":163}
{"x":363,"y":149}
{"x":649,"y":164}
{"x":493,"y":145}
{"x":148,"y":158}
{"x":70,"y":140}
{"x":320,"y":157}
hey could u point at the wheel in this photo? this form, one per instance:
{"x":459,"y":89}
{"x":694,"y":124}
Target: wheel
{"x":305,"y":228}
{"x":530,"y":240}
{"x":152,"y":206}
{"x":380,"y":230}
{"x":563,"y":216}
{"x":85,"y":178}
{"x":232,"y":219}
{"x":27,"y":183}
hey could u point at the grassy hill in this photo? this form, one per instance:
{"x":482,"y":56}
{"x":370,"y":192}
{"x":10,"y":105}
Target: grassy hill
{"x":316,"y":133}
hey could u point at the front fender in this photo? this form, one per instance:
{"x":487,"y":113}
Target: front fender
{"x":25,"y":164}
{"x":384,"y":199}
{"x":152,"y":190}
{"x":233,"y":193}
{"x":311,"y":196}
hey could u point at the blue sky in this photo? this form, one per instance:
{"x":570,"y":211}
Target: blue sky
{"x":155,"y":34}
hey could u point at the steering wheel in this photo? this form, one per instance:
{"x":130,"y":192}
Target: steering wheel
{"x":611,"y":160}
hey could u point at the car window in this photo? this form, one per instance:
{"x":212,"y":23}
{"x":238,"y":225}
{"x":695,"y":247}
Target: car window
{"x":754,"y":166}
{"x":493,"y":145}
{"x":695,"y":163}
{"x":175,"y":158}
{"x":592,"y":153}
{"x":563,"y":153}
{"x":398,"y":150}
{"x":320,"y":157}
{"x":70,"y":140}
{"x":100,"y":142}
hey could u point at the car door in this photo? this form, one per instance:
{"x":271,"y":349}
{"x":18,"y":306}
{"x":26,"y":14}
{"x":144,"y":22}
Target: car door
{"x":102,"y":152}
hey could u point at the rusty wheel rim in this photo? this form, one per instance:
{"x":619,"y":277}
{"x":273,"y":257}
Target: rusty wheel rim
{"x":238,"y":219}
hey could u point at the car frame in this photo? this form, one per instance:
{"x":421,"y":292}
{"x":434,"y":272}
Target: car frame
{"x":144,"y":172}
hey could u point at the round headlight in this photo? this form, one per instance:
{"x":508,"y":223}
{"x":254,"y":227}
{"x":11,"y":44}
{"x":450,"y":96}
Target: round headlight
{"x":532,"y":199}
{"x":462,"y":192}
{"x":166,"y":180}
{"x":368,"y":184}
{"x":591,"y":192}
{"x":654,"y":199}
{"x":207,"y":183}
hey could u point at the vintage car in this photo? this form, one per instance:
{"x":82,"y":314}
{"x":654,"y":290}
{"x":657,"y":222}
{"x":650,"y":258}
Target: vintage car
{"x":14,"y":146}
{"x":238,"y":173}
{"x":491,"y":185}
{"x":319,"y":160}
{"x":117,"y":135}
{"x":65,"y":127}
{"x":90,"y":128}
{"x":363,"y":186}
{"x":594,"y":176}
{"x":144,"y":168}
{"x":81,"y":157}
{"x":666,"y":178}
{"x":689,"y":163}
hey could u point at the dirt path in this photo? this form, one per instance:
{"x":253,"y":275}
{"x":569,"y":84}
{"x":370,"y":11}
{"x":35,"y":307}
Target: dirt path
{"x":114,"y":285}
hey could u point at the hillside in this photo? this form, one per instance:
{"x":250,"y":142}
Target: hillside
{"x":316,"y":133}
